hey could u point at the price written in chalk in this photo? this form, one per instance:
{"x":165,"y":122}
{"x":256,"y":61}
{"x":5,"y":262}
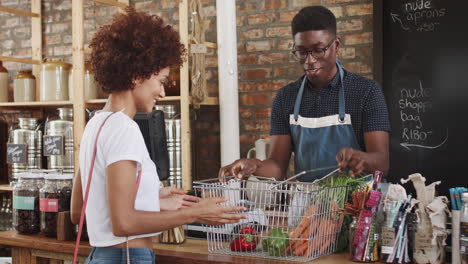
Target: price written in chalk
{"x":53,"y":145}
{"x":17,"y":153}
{"x":414,"y":104}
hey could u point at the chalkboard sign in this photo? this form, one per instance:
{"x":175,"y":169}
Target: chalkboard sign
{"x":53,"y":145}
{"x":17,"y":153}
{"x":425,"y":71}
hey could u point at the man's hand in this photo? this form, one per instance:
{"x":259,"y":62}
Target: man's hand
{"x":351,"y":159}
{"x":241,"y":168}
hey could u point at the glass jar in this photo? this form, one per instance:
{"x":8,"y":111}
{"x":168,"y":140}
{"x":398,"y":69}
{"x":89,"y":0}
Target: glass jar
{"x":464,"y":229}
{"x":352,"y":229}
{"x":54,"y":197}
{"x":26,"y":218}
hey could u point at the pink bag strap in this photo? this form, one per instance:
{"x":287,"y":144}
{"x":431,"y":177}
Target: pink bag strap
{"x":88,"y":185}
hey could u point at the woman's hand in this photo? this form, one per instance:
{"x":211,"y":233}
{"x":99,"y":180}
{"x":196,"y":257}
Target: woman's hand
{"x":171,"y":199}
{"x":210,"y":212}
{"x":169,"y":191}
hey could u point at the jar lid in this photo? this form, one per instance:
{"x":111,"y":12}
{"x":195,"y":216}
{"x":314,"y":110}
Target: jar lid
{"x":53,"y":65}
{"x":25,"y":74}
{"x":65,"y":113}
{"x":87,"y":68}
{"x":30,"y":175}
{"x":21,"y":174}
{"x":27,"y":123}
{"x":59,"y":176}
{"x":465,"y":196}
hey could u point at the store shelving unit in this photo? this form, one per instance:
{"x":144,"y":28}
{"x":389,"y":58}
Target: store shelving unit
{"x":79,"y":104}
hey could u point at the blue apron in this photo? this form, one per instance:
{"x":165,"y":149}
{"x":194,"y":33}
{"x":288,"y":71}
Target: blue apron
{"x":317,"y":140}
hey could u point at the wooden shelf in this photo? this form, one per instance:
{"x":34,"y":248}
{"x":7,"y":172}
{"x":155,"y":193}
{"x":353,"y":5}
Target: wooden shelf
{"x":19,"y":12}
{"x":208,"y":100}
{"x":20,"y":60}
{"x":112,"y":3}
{"x":96,"y":101}
{"x":170,"y":99}
{"x":6,"y":188}
{"x":103,"y":101}
{"x":36,"y":104}
{"x":211,"y":45}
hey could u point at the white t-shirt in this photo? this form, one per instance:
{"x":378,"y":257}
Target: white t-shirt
{"x":120,"y":139}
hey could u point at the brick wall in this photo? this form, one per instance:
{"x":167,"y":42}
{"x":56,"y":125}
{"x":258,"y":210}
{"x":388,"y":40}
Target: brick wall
{"x":264,"y":44}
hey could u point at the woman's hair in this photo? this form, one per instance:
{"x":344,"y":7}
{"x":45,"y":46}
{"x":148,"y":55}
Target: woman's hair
{"x":134,"y":47}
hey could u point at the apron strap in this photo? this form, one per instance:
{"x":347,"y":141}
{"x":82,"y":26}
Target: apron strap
{"x":341,"y":99}
{"x":297,"y":104}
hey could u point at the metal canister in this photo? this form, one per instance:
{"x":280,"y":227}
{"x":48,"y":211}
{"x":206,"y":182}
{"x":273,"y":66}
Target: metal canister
{"x":24,"y":87}
{"x":177,"y":152}
{"x":173,"y":138}
{"x":62,"y":127}
{"x":28,"y":133}
{"x":54,"y":81}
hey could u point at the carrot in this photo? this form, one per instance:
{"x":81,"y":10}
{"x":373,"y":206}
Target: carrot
{"x":302,"y":227}
{"x":304,"y":240}
{"x":325,"y":232}
{"x":304,"y":222}
{"x":330,"y":237}
{"x":299,"y":249}
{"x":318,"y":238}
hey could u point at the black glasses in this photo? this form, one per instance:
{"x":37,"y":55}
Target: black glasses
{"x":316,"y":53}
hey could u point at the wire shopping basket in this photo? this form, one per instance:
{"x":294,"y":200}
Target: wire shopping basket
{"x":292,"y":221}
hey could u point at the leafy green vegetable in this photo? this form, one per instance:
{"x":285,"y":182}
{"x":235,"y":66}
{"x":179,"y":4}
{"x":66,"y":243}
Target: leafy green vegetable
{"x":338,"y":187}
{"x":276,"y":243}
{"x":343,"y":240}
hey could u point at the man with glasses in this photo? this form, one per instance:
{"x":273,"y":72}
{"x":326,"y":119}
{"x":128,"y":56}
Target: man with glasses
{"x":328,"y":117}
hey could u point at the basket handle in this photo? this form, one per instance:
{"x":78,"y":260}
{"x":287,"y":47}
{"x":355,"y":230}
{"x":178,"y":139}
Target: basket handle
{"x":305,"y":172}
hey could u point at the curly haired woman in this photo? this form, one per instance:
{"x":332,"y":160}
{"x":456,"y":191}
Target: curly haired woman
{"x":131,"y":59}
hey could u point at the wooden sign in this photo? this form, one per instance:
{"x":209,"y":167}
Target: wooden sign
{"x":198,"y":48}
{"x":17,"y":153}
{"x":53,"y":145}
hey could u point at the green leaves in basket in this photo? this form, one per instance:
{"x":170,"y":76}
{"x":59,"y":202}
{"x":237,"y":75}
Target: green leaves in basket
{"x":353,"y":184}
{"x":276,"y":243}
{"x":343,"y":240}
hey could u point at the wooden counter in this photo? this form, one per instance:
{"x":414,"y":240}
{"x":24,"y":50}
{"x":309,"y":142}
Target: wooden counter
{"x":31,"y":249}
